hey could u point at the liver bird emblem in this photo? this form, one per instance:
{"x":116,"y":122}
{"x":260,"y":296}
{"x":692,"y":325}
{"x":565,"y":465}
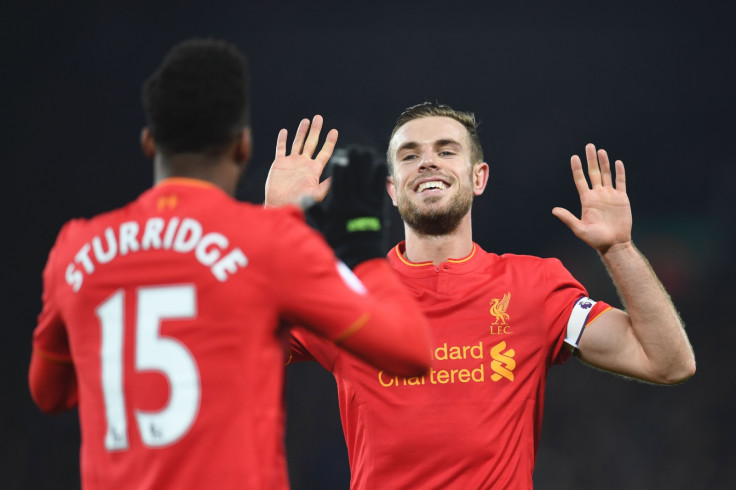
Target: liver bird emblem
{"x":499,"y":307}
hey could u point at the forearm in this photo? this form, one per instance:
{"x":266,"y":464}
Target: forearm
{"x":397,"y":317}
{"x":654,"y":320}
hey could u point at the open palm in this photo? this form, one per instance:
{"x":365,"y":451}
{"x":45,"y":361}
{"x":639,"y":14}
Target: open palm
{"x":605,"y":218}
{"x":294,"y":178}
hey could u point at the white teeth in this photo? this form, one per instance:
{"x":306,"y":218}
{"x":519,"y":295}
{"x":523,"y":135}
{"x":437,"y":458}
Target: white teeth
{"x":435,"y":184}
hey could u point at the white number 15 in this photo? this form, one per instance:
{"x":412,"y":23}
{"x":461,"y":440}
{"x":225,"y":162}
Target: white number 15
{"x":153,"y":352}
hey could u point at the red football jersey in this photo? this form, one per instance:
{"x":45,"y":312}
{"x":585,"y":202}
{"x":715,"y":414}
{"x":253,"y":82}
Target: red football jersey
{"x":474,"y":421}
{"x":170,"y":309}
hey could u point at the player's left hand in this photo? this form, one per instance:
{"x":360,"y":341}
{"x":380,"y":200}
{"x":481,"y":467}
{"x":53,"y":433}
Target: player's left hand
{"x":294,"y":178}
{"x":606,"y":212}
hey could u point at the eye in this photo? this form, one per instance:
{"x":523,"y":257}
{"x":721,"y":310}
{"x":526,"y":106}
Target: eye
{"x":409,"y":156}
{"x":446,"y":153}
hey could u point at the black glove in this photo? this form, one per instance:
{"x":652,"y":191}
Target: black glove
{"x":351,"y":217}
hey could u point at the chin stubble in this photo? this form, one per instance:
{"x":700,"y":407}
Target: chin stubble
{"x":436,"y":222}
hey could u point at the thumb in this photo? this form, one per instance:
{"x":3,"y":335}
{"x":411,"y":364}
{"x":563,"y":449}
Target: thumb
{"x":568,"y":218}
{"x":322,"y":189}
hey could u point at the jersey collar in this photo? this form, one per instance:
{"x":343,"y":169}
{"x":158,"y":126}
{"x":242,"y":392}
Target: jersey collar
{"x":461,"y":265}
{"x":188,"y":181}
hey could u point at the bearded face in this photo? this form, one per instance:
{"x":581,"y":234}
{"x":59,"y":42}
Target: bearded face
{"x":435,"y":215}
{"x":433,"y":179}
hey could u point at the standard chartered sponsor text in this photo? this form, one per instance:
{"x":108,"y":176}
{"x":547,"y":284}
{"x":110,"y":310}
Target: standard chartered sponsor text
{"x":501,"y":366}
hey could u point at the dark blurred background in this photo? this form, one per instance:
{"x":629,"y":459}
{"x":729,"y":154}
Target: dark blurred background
{"x":651,"y":82}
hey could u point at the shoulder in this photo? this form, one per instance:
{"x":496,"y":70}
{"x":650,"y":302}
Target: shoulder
{"x":543,"y":267}
{"x":519,"y":260}
{"x":77,"y":229}
{"x":72,"y":238}
{"x":266,"y":216}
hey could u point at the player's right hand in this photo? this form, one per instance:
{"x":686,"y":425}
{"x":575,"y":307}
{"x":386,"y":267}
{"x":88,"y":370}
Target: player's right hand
{"x":295,"y":178}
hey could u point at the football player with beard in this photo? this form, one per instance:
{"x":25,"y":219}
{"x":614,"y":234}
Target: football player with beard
{"x":499,"y":321}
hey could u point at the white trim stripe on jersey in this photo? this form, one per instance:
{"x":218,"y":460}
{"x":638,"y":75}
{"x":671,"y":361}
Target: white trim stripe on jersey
{"x":578,"y":318}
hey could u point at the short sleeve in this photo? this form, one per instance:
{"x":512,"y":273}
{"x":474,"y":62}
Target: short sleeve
{"x":305,"y":345}
{"x":565,"y":306}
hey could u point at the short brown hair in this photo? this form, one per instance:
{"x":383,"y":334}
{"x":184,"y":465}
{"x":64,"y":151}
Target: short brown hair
{"x":429,"y":109}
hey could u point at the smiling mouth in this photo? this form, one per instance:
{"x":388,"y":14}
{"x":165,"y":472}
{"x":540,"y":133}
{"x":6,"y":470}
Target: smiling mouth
{"x":430,"y":186}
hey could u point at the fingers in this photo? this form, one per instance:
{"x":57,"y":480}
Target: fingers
{"x":327,"y":148}
{"x":605,"y":167}
{"x":313,"y":138}
{"x":301,"y":132}
{"x":594,"y":172}
{"x":599,"y":170}
{"x":620,"y":176}
{"x":578,"y":176}
{"x":281,"y":143}
{"x":306,"y":139}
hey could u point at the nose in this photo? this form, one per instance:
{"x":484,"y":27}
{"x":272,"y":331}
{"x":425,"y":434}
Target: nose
{"x":427,"y":161}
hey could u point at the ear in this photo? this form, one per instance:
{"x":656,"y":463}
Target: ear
{"x":480,"y":177}
{"x":244,"y":146}
{"x":391,"y":189}
{"x":147,"y":143}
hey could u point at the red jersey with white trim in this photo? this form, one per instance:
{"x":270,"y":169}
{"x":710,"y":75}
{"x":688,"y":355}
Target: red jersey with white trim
{"x":474,"y":421}
{"x":170,"y":309}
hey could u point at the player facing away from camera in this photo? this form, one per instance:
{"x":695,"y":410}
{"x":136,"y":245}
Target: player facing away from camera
{"x":162,"y":320}
{"x":499,"y":321}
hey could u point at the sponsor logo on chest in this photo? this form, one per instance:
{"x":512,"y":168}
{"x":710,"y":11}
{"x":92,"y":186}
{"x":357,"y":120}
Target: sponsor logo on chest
{"x":492,"y":362}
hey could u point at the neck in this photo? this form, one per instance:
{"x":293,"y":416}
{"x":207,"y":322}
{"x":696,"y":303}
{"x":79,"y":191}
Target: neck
{"x":218,"y":171}
{"x":437,"y":249}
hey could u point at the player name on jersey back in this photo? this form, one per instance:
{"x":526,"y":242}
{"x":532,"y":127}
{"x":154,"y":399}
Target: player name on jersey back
{"x":182,"y":235}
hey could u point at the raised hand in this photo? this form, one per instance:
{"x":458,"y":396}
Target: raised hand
{"x":605,"y":219}
{"x":294,"y":178}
